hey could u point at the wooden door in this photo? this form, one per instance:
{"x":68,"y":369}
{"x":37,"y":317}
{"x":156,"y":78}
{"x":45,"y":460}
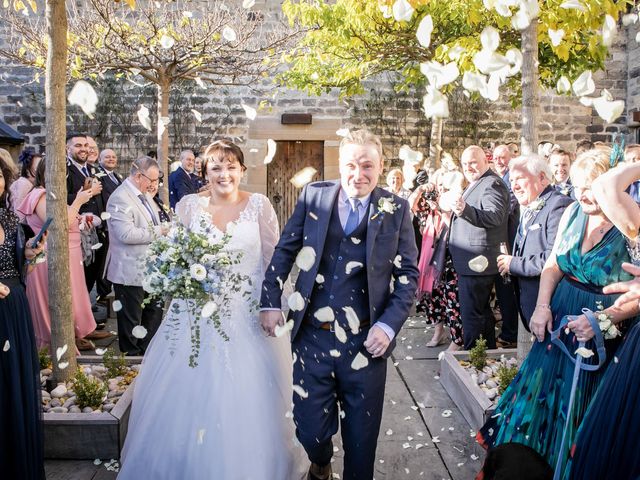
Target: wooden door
{"x":290,"y":158}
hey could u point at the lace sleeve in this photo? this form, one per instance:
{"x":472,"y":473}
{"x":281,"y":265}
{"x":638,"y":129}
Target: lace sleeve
{"x":187,"y":207}
{"x":269,"y":230}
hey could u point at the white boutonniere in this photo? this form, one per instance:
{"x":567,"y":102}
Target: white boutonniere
{"x":536,"y":205}
{"x":608,"y":329}
{"x":385,"y":205}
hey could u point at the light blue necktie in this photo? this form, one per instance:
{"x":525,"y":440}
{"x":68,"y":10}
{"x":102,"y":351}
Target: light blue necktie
{"x":353,"y":218}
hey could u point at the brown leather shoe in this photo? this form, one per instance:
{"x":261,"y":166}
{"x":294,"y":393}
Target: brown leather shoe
{"x":316,"y":472}
{"x":83,"y":344}
{"x":96,"y":335}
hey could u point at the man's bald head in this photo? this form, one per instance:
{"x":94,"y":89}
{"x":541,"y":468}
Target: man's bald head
{"x":474,"y":163}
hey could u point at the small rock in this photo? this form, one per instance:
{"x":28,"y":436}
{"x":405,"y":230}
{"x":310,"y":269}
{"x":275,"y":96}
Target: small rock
{"x":46,"y":409}
{"x":487,"y":370}
{"x":107,"y":407}
{"x":87,"y":370}
{"x":45,"y":371}
{"x":55,"y":403}
{"x":75,"y":409}
{"x":59,"y":410}
{"x":112,"y":394}
{"x":70,"y":401}
{"x":87,"y":410}
{"x":495,"y":368}
{"x":491,"y":393}
{"x":135,"y":368}
{"x":482,"y":377}
{"x":474,"y":378}
{"x":45,"y":394}
{"x":99,"y":369}
{"x":491,"y":384}
{"x":59,"y":391}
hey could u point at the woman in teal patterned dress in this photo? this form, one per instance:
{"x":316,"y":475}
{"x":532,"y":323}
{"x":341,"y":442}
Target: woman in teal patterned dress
{"x":586,"y":257}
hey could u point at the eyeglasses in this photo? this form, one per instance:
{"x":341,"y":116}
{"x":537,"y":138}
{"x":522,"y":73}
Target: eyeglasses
{"x":152,"y":180}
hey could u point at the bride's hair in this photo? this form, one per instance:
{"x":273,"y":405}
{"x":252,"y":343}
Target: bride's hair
{"x":221,"y":151}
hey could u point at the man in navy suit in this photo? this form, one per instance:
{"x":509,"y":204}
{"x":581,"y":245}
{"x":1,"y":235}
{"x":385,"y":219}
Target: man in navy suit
{"x":560,"y":164}
{"x":542,"y":208}
{"x":108,"y":162}
{"x":357,"y":255}
{"x":180,"y":181}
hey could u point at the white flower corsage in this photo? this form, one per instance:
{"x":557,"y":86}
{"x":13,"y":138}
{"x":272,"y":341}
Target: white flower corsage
{"x":536,"y":205}
{"x":608,"y":329}
{"x":385,"y":205}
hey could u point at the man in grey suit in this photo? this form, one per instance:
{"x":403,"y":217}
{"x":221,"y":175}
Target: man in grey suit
{"x":133,"y":225}
{"x":478,"y":228}
{"x":542,"y":207}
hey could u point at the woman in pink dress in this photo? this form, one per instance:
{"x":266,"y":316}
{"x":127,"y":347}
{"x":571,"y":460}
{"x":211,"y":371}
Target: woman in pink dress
{"x":28,"y":161}
{"x":33,"y":208}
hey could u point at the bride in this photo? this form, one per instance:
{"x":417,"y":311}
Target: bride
{"x":229,"y":417}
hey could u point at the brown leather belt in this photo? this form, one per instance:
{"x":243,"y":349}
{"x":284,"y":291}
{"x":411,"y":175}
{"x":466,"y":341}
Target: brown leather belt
{"x":329,"y":325}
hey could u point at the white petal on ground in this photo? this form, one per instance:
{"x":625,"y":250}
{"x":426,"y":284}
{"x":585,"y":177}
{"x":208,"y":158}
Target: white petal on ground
{"x":351,"y":266}
{"x":60,"y":351}
{"x":435,"y":439}
{"x":359,"y":362}
{"x":408,"y":155}
{"x":629,"y":19}
{"x":250,"y":112}
{"x":341,"y":335}
{"x":319,"y":278}
{"x":84,"y":96}
{"x":197,"y":114}
{"x":446,"y":413}
{"x":342,"y":132}
{"x":609,"y":30}
{"x":609,"y":110}
{"x":389,"y":432}
{"x":306,"y":258}
{"x":229,"y":34}
{"x":304,"y":176}
{"x":334,"y":353}
{"x":97,"y":461}
{"x":167,"y":41}
{"x":143,"y":117}
{"x":300,"y":391}
{"x":101,"y":351}
{"x":584,"y":352}
{"x":556,"y":36}
{"x":208,"y":309}
{"x":105,"y":216}
{"x":296,"y":302}
{"x":435,"y":104}
{"x":96,"y":246}
{"x":402,"y":11}
{"x":490,"y":39}
{"x":248,"y":4}
{"x":352,"y":319}
{"x":423,"y":33}
{"x":324,"y":314}
{"x":117,"y":305}
{"x":282,"y":330}
{"x":584,"y":84}
{"x":479,"y":264}
{"x":6,"y":346}
{"x":564,"y":85}
{"x":139,"y":331}
{"x":403,"y":280}
{"x":574,"y":5}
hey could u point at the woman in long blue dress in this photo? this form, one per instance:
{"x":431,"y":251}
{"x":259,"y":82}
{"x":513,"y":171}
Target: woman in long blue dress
{"x":586,"y":257}
{"x":606,"y":445}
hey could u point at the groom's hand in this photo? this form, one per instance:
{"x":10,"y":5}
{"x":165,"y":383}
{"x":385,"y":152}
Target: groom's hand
{"x":269,"y":319}
{"x":377,"y":342}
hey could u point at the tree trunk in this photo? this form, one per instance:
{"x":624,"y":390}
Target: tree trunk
{"x":529,"y":140}
{"x":62,"y":328}
{"x":435,"y":143}
{"x":164,"y":88}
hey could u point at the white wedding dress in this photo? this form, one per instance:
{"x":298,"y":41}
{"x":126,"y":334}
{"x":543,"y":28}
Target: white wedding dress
{"x":227,"y":418}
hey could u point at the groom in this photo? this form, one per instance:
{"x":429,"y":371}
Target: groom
{"x":357,"y":282}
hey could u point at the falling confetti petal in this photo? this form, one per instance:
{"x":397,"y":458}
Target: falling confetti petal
{"x":564,"y":85}
{"x":313,"y":215}
{"x":60,"y":351}
{"x":334,"y":353}
{"x":359,"y":362}
{"x":63,"y":365}
{"x":250,"y":112}
{"x":200,"y":83}
{"x":304,"y":176}
{"x":342,"y":132}
{"x":440,"y":75}
{"x":143,"y":117}
{"x":187,"y":14}
{"x":356,"y":241}
{"x":139,"y":331}
{"x":324,"y":314}
{"x":105,"y":216}
{"x":229,"y":34}
{"x":6,"y":346}
{"x":608,"y":109}
{"x":423,"y":33}
{"x":96,"y":246}
{"x":556,"y":36}
{"x":167,"y":42}
{"x":402,"y":11}
{"x":306,"y":258}
{"x":84,"y":96}
{"x":282,"y":330}
{"x":609,"y":30}
{"x":300,"y":391}
{"x":296,"y":302}
{"x":573,"y":4}
{"x":117,"y":305}
{"x":319,"y":278}
{"x":584,"y":352}
{"x":403,"y":280}
{"x":435,"y":104}
{"x":197,"y":114}
{"x":341,"y":335}
{"x":101,"y":351}
{"x":584,"y":84}
{"x":248,"y":4}
{"x":474,"y":456}
{"x":479,"y":264}
{"x":352,"y":266}
{"x":352,"y":319}
{"x":629,"y":19}
{"x":271,"y":151}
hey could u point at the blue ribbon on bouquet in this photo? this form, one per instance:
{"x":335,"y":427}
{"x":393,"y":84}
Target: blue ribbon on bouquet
{"x":577,"y":360}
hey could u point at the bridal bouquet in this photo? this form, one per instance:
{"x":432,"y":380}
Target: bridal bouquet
{"x":193,"y":266}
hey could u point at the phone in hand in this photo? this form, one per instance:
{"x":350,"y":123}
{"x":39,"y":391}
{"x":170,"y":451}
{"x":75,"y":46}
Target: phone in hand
{"x":41,"y":233}
{"x":88,"y":183}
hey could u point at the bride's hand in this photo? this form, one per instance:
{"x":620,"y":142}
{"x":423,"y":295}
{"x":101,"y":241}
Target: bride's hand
{"x":269,"y":319}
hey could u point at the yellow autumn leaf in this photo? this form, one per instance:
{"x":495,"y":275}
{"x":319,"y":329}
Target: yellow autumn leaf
{"x":131,"y":3}
{"x":562,"y":51}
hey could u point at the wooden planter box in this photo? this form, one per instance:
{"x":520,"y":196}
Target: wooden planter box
{"x":89,"y":435}
{"x":472,"y":402}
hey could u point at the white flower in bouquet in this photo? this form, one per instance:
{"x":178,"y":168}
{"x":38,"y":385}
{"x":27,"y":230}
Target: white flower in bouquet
{"x":198,"y":272}
{"x":209,"y":309}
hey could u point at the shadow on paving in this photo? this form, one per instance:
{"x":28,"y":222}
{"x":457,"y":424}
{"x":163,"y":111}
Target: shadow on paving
{"x":413,"y":418}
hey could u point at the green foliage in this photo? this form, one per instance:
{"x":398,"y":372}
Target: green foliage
{"x":505,"y":375}
{"x":44,"y":358}
{"x":478,"y":354}
{"x":116,"y":365}
{"x":90,"y":391}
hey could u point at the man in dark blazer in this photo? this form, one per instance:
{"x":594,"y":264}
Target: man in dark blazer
{"x":355,"y":248}
{"x":477,"y":229}
{"x":107,"y":163}
{"x":180,"y":182}
{"x":505,"y":292}
{"x":542,"y":208}
{"x":560,"y":164}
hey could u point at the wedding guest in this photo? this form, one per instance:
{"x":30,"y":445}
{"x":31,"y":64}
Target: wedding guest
{"x":180,"y":181}
{"x":164,"y":214}
{"x":583,"y":146}
{"x":632,"y":155}
{"x":197,"y":177}
{"x":92,"y":151}
{"x":606,"y":445}
{"x":586,"y":257}
{"x":438,"y":281}
{"x":395,"y":181}
{"x":108,"y":163}
{"x":133,"y":225}
{"x":34,"y":209}
{"x":542,"y":208}
{"x":8,"y":160}
{"x":28,"y":161}
{"x":21,"y":437}
{"x":514,"y":148}
{"x":560,"y":164}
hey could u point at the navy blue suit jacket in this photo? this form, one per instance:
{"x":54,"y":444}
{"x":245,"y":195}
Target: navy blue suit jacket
{"x":533,"y":246}
{"x":514,"y":211}
{"x":389,"y":235}
{"x":180,"y":184}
